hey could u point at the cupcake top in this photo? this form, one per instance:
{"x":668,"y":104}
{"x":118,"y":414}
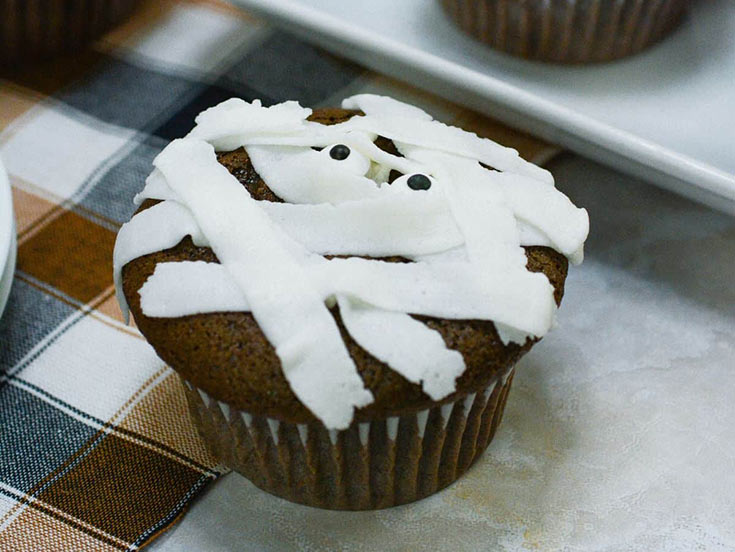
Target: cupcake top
{"x":364,"y":232}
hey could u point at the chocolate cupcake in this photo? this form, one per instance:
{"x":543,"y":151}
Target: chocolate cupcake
{"x":32,"y":30}
{"x":567,"y":31}
{"x":345,"y":292}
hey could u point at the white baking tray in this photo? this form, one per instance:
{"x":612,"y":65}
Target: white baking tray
{"x":666,"y":115}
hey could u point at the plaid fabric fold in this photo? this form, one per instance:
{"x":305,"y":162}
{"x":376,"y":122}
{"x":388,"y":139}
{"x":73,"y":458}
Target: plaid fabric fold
{"x":96,"y":448}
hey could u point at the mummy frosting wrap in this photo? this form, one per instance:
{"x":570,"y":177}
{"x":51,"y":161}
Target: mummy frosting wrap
{"x":342,"y":283}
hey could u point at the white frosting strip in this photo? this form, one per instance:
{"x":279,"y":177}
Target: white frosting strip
{"x":372,"y":104}
{"x":290,"y":312}
{"x":410,"y":224}
{"x":445,"y":290}
{"x":365,"y":145}
{"x":410,"y":125}
{"x":163,"y":225}
{"x":524,"y":194}
{"x":156,"y":187}
{"x":436,"y":136}
{"x":478,"y":205}
{"x":224,"y":125}
{"x":409,"y":347}
{"x":299,"y":175}
{"x":190,"y":287}
{"x":428,"y":228}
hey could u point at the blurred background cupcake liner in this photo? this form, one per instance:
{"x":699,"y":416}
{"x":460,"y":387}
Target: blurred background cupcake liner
{"x":567,"y":31}
{"x":32,"y":30}
{"x":370,"y":465}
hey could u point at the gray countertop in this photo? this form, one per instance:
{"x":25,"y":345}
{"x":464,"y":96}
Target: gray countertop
{"x":619,"y":432}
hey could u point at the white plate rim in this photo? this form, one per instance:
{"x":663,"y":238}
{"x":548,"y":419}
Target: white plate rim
{"x":6,"y":278}
{"x":7,"y":238}
{"x":713,"y":182}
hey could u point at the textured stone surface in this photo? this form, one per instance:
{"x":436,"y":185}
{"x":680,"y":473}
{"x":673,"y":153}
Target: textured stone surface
{"x":618,"y":435}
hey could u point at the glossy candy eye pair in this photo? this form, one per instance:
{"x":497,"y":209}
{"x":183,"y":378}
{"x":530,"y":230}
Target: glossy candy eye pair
{"x":341,"y":152}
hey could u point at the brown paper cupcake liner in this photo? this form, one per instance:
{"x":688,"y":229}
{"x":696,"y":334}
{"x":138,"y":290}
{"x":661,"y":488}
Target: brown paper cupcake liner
{"x":567,"y":31}
{"x":37,"y":29}
{"x":370,"y":465}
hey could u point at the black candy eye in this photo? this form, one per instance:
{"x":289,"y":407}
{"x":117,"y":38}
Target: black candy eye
{"x":419,"y":182}
{"x":339,"y":152}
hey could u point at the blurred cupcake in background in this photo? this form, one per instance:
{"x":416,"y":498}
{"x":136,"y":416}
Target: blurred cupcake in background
{"x":32,"y":30}
{"x":567,"y":31}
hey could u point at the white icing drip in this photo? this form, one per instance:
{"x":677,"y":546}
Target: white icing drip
{"x":465,"y":233}
{"x":293,"y":317}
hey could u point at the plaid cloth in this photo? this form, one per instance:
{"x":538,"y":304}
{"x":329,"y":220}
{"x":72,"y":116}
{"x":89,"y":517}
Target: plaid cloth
{"x":96,"y":448}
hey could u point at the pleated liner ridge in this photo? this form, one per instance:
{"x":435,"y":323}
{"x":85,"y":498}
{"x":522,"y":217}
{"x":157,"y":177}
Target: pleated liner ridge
{"x":370,"y":465}
{"x":567,"y":31}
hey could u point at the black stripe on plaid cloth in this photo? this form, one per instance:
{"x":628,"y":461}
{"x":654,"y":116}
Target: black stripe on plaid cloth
{"x":96,"y":448}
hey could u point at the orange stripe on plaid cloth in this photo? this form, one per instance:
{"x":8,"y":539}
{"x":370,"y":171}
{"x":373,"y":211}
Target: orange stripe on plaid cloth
{"x":72,"y":254}
{"x":121,"y":488}
{"x":34,"y":530}
{"x":29,"y":208}
{"x":66,"y":528}
{"x":14,"y":102}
